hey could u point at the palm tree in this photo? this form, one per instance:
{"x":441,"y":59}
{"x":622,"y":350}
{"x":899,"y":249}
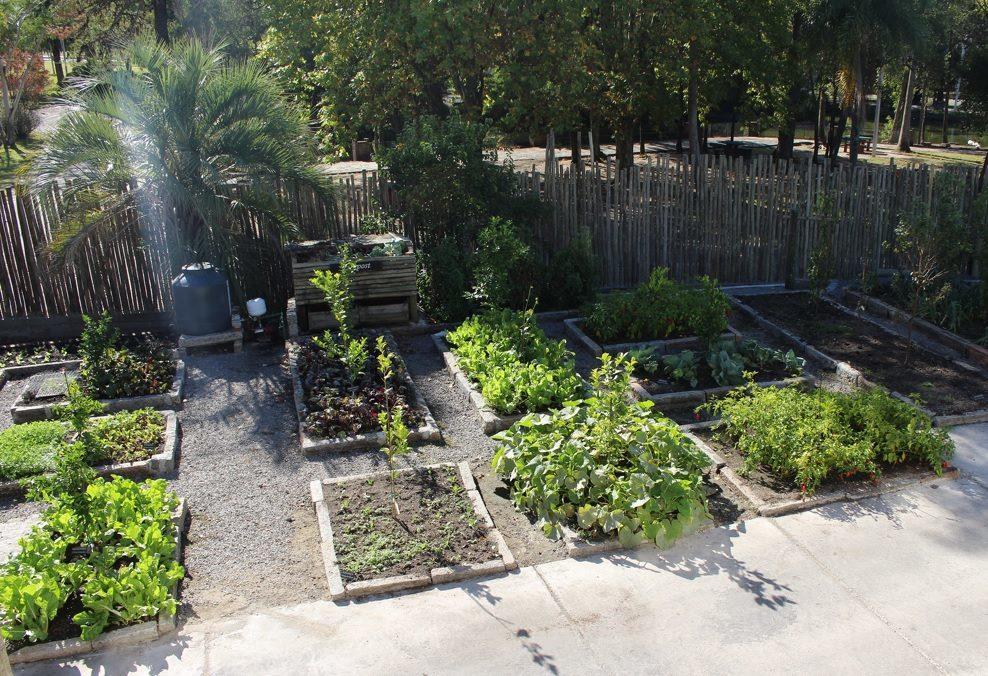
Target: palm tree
{"x":177,"y":134}
{"x":862,"y":32}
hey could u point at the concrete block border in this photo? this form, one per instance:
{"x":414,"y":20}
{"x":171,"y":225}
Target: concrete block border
{"x":162,"y":462}
{"x":962,"y":346}
{"x":493,"y":421}
{"x":428,"y":431}
{"x":9,"y":373}
{"x":574,"y":329}
{"x":162,"y":625}
{"x":848,"y":373}
{"x":766,"y":508}
{"x":22,"y":411}
{"x":340,"y":591}
{"x":700,"y":396}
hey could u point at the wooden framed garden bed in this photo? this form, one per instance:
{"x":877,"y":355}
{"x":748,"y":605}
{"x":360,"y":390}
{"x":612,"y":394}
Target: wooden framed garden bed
{"x":866,"y":354}
{"x":161,"y":625}
{"x":962,"y":346}
{"x":574,"y":328}
{"x":771,"y":496}
{"x":428,"y":430}
{"x":493,"y":421}
{"x":162,"y":462}
{"x":29,"y":407}
{"x":439,"y":502}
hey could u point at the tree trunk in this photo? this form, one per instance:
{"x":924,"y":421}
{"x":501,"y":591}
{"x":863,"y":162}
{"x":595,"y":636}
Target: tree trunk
{"x":160,"y":9}
{"x":897,"y":118}
{"x":56,"y":60}
{"x":857,"y":108}
{"x":905,"y":141}
{"x":693,"y":94}
{"x":787,"y":129}
{"x":839,"y":127}
{"x":877,"y":126}
{"x":624,"y":145}
{"x":922,"y":116}
{"x":946,"y":116}
{"x":818,"y":126}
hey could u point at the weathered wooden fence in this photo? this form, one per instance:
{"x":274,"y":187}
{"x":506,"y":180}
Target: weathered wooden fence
{"x":737,"y":221}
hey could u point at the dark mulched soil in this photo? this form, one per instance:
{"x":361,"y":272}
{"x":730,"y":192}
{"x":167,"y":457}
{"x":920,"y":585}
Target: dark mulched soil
{"x":437,"y":525}
{"x":945,"y":387}
{"x":772,"y":488}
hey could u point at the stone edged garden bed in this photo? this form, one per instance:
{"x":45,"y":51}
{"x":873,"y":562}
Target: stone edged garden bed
{"x":893,"y":480}
{"x":311,"y":445}
{"x":493,"y":421}
{"x":700,"y":396}
{"x":115,"y":639}
{"x":574,"y":329}
{"x":340,"y":591}
{"x":9,"y":373}
{"x":23,"y":411}
{"x":848,"y":373}
{"x":162,"y":462}
{"x":883,"y":310}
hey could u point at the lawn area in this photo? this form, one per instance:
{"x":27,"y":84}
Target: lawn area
{"x":19,"y":159}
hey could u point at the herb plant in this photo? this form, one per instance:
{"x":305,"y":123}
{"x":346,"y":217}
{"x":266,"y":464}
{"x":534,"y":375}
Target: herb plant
{"x":810,"y":437}
{"x":391,"y":419}
{"x":517,"y":368}
{"x":604,"y":464}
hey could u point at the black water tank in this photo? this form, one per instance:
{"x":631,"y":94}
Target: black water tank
{"x":202,"y":300}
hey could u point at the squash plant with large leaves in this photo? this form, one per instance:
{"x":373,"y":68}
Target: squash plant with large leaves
{"x":606,"y":464}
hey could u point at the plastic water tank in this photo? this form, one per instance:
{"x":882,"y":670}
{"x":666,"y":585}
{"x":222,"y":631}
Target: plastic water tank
{"x":202,"y":300}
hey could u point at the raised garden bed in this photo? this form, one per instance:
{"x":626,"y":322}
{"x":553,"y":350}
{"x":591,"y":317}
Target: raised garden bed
{"x":445,"y":535}
{"x":356,"y":424}
{"x":772,"y":496}
{"x":160,"y":459}
{"x":45,"y":391}
{"x":575,"y":329}
{"x":864,"y":353}
{"x":64,"y":636}
{"x":964,"y":347}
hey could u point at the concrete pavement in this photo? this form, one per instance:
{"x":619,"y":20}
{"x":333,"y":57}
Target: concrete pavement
{"x":891,"y":585}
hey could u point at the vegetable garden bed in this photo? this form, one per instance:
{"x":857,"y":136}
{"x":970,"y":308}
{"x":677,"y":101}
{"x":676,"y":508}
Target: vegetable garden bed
{"x":575,"y":328}
{"x":63,"y":638}
{"x":865,"y":354}
{"x":443,"y":532}
{"x":840,"y":446}
{"x":44,"y":392}
{"x":157,"y":460}
{"x":317,"y":384}
{"x":884,"y":310}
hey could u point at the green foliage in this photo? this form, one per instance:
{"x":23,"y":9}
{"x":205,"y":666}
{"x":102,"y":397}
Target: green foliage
{"x":726,"y":364}
{"x":127,"y":436}
{"x":516,"y":366}
{"x":336,"y":286}
{"x":29,"y":449}
{"x":109,"y":370}
{"x":810,"y":437}
{"x":658,"y":309}
{"x":113,"y":544}
{"x":570,"y":279}
{"x":504,"y":274}
{"x":681,"y":366}
{"x":605,"y":464}
{"x":391,"y":418}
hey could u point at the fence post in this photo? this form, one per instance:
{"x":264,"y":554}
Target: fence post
{"x":789,"y":260}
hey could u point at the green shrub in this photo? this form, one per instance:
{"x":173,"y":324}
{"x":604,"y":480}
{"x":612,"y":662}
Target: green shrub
{"x":809,"y":437}
{"x":606,"y":465}
{"x":570,"y":279}
{"x":109,"y":371}
{"x":505,"y":269}
{"x":28,"y":449}
{"x":517,"y":368}
{"x":112,"y":545}
{"x":659,"y":309}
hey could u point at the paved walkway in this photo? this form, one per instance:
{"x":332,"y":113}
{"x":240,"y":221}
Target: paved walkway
{"x":888,"y":586}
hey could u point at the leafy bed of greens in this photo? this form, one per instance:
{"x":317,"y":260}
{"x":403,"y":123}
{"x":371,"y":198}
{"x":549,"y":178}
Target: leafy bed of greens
{"x":517,"y":368}
{"x":109,"y":550}
{"x":29,"y":449}
{"x":726,"y":364}
{"x":658,"y":309}
{"x":810,"y":437}
{"x":606,"y":464}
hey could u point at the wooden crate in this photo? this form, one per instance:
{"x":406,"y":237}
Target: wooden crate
{"x":378,"y":279}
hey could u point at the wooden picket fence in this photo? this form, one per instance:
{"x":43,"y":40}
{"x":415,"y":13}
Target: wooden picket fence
{"x":735,"y":220}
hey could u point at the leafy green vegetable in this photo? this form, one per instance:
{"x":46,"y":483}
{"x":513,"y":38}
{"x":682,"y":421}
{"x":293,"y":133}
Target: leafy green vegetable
{"x":810,"y":437}
{"x":516,"y":366}
{"x":681,"y":366}
{"x":605,"y":464}
{"x":28,"y":449}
